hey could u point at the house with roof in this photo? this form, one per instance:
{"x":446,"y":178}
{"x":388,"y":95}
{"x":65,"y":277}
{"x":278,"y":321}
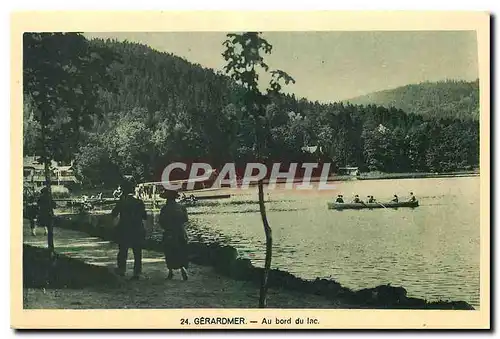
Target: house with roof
{"x":34,"y":173}
{"x":349,"y":170}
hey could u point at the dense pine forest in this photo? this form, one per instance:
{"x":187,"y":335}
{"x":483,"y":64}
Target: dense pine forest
{"x":160,"y":108}
{"x":442,"y":99}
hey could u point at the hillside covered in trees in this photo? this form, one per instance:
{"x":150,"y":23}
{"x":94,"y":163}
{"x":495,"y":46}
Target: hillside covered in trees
{"x":443,"y":99}
{"x":161,"y":108}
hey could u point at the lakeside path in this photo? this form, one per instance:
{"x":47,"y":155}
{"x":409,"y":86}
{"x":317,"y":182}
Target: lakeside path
{"x":204,"y":289}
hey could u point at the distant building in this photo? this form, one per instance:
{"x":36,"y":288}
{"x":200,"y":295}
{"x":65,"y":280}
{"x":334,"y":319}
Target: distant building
{"x":65,"y":175}
{"x":310,"y":149}
{"x":349,"y":170}
{"x":34,"y":173}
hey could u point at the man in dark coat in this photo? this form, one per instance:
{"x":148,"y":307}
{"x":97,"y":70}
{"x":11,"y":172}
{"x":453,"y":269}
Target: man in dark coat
{"x":173,"y":218}
{"x":130,"y":230}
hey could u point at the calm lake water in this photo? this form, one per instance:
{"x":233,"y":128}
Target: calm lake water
{"x":432,"y":251}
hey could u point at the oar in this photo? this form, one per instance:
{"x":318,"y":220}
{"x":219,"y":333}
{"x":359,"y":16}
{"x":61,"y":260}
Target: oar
{"x":381,"y":205}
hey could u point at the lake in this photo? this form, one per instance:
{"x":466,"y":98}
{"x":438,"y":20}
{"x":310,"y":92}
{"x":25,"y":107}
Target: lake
{"x":432,"y":250}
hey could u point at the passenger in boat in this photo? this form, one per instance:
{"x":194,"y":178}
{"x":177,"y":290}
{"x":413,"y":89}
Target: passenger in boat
{"x":173,"y":219}
{"x":412,"y":197}
{"x":130,"y":230}
{"x":339,"y":200}
{"x":357,"y":200}
{"x":371,"y":199}
{"x":395,"y":199}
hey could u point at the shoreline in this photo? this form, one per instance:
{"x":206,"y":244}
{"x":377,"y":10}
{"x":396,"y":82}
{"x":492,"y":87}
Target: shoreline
{"x":335,"y":178}
{"x":418,"y":175}
{"x":362,"y":177}
{"x":370,"y":176}
{"x":225,"y":261}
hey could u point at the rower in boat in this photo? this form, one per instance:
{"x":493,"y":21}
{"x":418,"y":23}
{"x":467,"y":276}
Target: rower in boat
{"x":395,"y":199}
{"x":371,"y":199}
{"x":340,"y":199}
{"x":357,"y":200}
{"x":412,"y":197}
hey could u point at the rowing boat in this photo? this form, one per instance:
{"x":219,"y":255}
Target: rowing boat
{"x":357,"y":206}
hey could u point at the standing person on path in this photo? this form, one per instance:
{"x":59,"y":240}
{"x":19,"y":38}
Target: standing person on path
{"x":173,"y":218}
{"x":130,"y":230}
{"x":30,"y":207}
{"x":30,"y":213}
{"x":45,"y":207}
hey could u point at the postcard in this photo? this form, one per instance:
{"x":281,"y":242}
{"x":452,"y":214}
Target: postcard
{"x":250,"y":170}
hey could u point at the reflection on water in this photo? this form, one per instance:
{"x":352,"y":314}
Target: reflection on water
{"x":432,"y":251}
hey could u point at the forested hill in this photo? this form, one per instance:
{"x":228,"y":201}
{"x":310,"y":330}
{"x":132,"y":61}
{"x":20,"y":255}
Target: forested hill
{"x":443,"y":99}
{"x":163,"y":108}
{"x":161,"y":81}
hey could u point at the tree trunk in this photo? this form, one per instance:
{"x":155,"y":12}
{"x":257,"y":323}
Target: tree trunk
{"x":46,"y":164}
{"x":50,"y":226}
{"x":269,"y":248}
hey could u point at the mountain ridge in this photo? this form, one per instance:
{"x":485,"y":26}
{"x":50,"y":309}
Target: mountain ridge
{"x":431,"y":99}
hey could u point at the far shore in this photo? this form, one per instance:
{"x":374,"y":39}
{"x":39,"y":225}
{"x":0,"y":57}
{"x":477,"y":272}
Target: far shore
{"x":381,"y":176}
{"x":336,"y":178}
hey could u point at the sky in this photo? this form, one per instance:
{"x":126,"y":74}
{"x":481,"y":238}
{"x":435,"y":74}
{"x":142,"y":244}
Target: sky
{"x":334,"y":66}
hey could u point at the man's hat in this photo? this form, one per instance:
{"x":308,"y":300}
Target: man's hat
{"x":127,"y":187}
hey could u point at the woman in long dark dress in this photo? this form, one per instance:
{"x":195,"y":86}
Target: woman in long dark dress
{"x":173,"y":218}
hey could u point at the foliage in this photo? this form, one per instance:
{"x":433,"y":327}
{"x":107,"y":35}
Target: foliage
{"x":62,"y":74}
